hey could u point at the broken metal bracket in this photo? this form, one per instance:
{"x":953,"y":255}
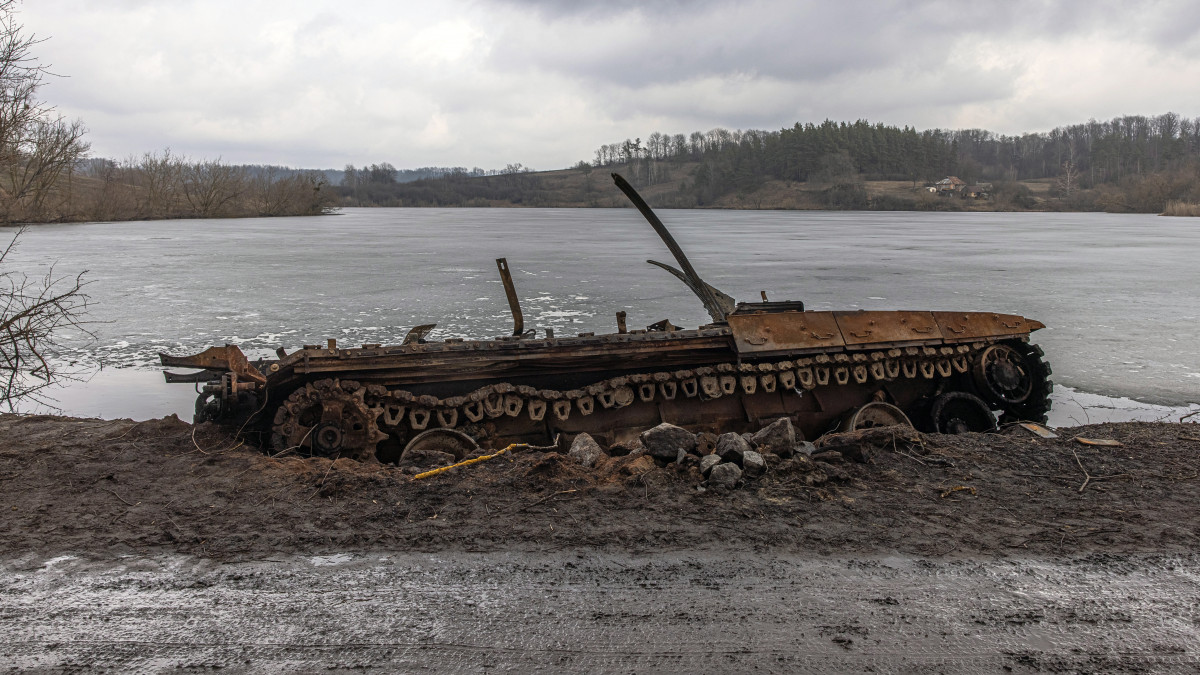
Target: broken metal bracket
{"x":511,"y":291}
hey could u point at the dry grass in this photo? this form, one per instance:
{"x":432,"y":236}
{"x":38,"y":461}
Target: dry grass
{"x":1181,"y":208}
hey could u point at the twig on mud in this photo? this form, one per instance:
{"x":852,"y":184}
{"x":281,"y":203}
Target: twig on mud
{"x":322,"y":483}
{"x":194,"y":441}
{"x":1104,"y":531}
{"x":907,"y":455}
{"x":1191,"y":414}
{"x":535,"y":503}
{"x":118,"y":497}
{"x":173,"y":522}
{"x":294,"y":447}
{"x":1087,"y":476}
{"x":270,"y":496}
{"x":131,"y":428}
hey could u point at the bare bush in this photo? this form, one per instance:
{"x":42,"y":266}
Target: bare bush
{"x":36,"y":314}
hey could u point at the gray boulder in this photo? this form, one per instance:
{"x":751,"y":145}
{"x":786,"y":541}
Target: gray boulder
{"x":665,"y":441}
{"x":726,"y":475}
{"x":731,"y":447}
{"x":707,"y":463}
{"x":585,"y":450}
{"x":753,"y":464}
{"x":777,"y":437}
{"x":804,"y":448}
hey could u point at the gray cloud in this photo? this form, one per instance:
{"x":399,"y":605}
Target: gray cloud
{"x":544,"y":82}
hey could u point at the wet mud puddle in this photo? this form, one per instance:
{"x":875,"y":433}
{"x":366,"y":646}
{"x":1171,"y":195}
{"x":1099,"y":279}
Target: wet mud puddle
{"x":603,"y":612}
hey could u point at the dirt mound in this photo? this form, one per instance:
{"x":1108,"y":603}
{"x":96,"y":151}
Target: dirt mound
{"x":100,"y":487}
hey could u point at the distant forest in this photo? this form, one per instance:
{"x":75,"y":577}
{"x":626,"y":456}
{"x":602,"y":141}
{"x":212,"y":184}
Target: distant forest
{"x":1131,"y":163}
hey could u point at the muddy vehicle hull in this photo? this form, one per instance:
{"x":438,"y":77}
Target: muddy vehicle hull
{"x":943,"y":371}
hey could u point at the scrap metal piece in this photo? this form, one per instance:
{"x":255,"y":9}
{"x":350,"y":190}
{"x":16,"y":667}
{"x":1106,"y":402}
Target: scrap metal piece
{"x":1038,"y":429}
{"x":715,"y":302}
{"x":1103,"y":442}
{"x":418,"y":333}
{"x":514,"y":304}
{"x":228,"y":358}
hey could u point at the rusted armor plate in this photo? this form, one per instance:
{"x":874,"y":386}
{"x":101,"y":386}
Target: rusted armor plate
{"x":890,"y":327}
{"x":961,"y":326}
{"x":771,"y":332}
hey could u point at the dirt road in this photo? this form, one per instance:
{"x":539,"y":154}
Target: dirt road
{"x":603,"y":613}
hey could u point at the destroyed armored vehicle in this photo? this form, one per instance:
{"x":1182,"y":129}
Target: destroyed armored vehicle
{"x":948,"y":372}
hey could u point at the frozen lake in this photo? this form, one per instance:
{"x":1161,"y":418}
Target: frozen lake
{"x":1116,"y":292}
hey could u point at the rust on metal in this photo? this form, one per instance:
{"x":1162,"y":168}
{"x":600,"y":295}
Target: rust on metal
{"x":514,"y":304}
{"x":902,"y":327}
{"x":778,"y":329}
{"x":228,"y":358}
{"x":956,"y":326}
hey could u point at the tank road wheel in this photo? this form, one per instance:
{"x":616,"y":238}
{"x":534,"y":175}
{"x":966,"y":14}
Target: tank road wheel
{"x":958,"y":412}
{"x":1003,"y":375}
{"x":327,"y":419}
{"x":876,"y":414}
{"x":1016,"y":379}
{"x":451,"y":441}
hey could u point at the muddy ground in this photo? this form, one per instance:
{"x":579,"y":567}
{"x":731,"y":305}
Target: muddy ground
{"x":102,"y":488}
{"x":154,"y":546}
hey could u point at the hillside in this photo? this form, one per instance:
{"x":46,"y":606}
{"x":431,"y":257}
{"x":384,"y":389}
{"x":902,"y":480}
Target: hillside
{"x":587,"y":187}
{"x":1132,"y":164}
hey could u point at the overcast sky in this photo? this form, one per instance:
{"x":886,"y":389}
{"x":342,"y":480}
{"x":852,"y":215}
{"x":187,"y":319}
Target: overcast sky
{"x":542,"y":82}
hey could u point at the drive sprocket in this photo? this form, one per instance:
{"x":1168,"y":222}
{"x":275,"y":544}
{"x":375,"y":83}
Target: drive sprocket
{"x":327,"y":418}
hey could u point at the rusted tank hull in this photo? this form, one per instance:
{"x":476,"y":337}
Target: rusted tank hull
{"x":771,"y":360}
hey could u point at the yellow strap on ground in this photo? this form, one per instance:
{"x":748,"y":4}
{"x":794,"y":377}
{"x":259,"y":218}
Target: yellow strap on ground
{"x":444,"y":469}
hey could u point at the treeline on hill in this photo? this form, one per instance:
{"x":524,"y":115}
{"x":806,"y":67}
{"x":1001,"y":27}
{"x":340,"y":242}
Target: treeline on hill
{"x":1131,"y":164}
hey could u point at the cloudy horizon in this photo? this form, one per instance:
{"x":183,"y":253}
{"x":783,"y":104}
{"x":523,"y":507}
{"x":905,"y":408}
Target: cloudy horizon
{"x":546,"y":82}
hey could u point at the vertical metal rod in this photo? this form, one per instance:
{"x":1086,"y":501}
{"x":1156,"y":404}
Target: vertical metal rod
{"x":511,"y":291}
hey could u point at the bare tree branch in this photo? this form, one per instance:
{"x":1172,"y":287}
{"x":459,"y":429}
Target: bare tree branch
{"x":35,"y":315}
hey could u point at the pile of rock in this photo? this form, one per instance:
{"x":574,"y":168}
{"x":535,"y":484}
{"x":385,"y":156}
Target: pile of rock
{"x":731,"y":459}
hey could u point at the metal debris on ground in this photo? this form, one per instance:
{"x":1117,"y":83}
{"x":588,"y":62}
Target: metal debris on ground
{"x":1104,"y":442}
{"x":1038,"y":429}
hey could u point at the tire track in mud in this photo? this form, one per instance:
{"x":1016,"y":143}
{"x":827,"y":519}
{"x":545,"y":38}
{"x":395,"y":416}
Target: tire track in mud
{"x":602,"y":612}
